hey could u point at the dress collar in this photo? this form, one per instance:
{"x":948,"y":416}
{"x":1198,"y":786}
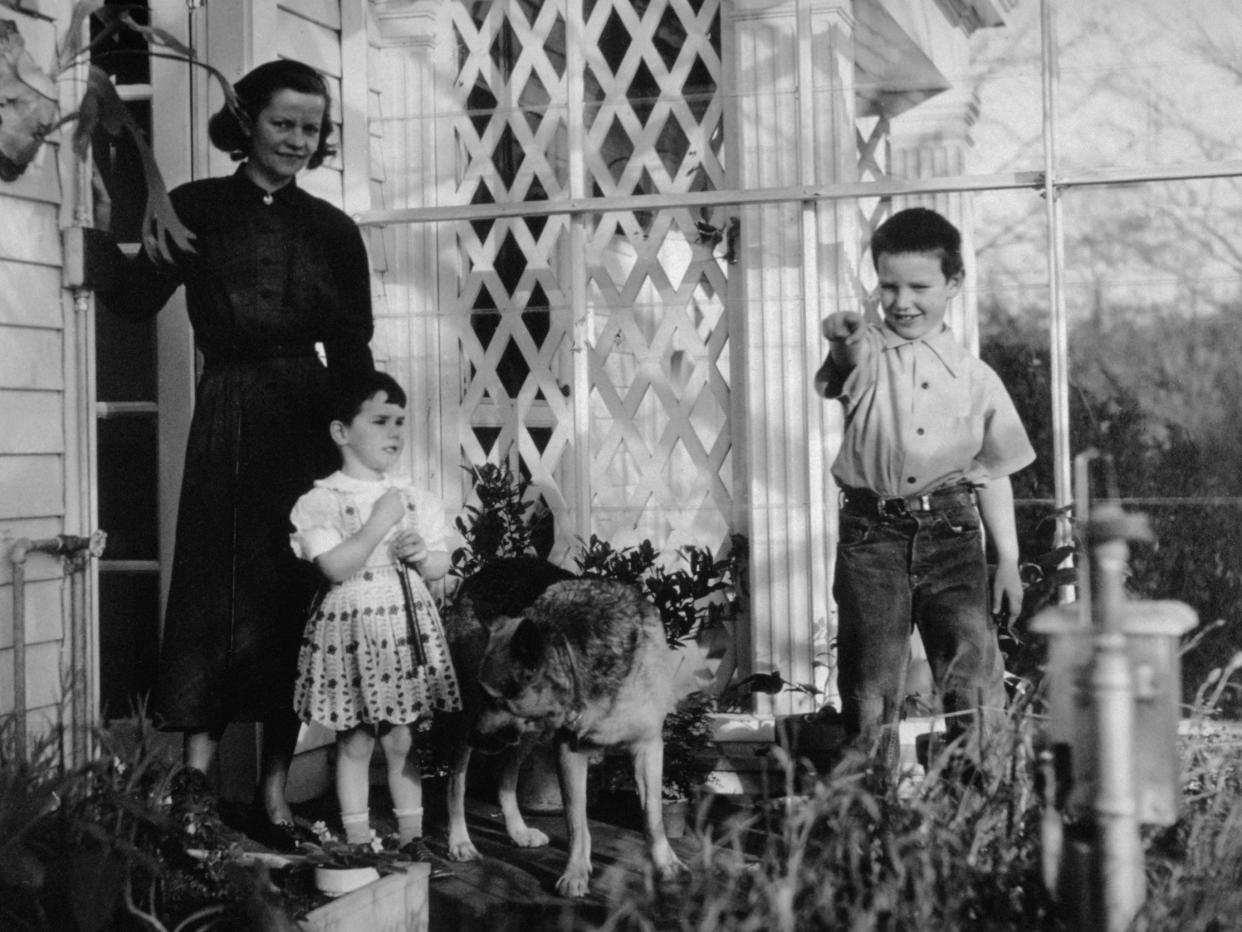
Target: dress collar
{"x":252,"y":193}
{"x":340,"y":482}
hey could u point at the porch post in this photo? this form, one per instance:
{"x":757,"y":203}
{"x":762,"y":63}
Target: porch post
{"x":789,"y":80}
{"x":410,"y":342}
{"x":929,"y":141}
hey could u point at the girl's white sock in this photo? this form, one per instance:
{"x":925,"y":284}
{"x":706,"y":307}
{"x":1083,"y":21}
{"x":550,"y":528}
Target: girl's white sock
{"x":357,"y":827}
{"x":409,"y":824}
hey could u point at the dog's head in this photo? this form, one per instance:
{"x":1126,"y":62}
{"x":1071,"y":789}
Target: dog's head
{"x":523,"y":690}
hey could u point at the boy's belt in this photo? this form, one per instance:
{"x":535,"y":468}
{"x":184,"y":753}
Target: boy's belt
{"x":867,"y":502}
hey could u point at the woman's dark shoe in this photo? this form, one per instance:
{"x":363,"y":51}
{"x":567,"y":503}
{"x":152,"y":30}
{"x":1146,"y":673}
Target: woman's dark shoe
{"x":284,"y":836}
{"x":194,"y":806}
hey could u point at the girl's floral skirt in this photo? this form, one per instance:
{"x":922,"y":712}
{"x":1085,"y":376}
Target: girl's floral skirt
{"x":358,"y":663}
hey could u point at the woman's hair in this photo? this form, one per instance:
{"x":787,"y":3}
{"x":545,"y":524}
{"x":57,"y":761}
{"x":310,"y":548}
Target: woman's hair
{"x":255,"y":91}
{"x":351,"y":392}
{"x":918,"y":229}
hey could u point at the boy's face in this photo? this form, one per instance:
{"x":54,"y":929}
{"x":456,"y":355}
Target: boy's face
{"x":372,"y":441}
{"x":914,"y":294}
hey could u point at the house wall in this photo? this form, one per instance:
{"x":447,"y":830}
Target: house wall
{"x":40,"y":443}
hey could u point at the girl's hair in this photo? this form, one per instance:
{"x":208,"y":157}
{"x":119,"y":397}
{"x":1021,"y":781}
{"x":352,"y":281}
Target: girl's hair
{"x":351,"y":392}
{"x":918,"y":229}
{"x":255,"y":91}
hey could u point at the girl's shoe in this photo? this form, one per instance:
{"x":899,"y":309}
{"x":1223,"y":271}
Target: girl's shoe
{"x":416,"y":850}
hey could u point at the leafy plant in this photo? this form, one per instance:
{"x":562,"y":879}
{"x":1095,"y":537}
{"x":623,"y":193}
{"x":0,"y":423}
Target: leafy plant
{"x":102,"y":845}
{"x":688,"y":597}
{"x":506,"y":522}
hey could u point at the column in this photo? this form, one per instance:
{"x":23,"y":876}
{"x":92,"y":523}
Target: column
{"x":789,"y":80}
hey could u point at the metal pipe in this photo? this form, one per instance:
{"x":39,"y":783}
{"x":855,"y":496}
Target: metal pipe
{"x":1120,"y":849}
{"x":829,"y":191}
{"x":1058,"y":332}
{"x":68,"y":545}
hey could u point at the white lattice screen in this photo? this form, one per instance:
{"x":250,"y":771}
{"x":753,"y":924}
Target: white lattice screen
{"x":635,"y":443}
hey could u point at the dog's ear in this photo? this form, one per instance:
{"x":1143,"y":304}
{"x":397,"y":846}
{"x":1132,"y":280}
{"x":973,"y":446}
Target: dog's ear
{"x":527,"y":647}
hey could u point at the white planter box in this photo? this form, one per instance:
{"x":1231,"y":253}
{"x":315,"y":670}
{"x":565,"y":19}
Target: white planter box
{"x":395,"y":903}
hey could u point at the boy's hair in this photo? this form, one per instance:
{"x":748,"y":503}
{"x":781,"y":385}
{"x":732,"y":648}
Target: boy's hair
{"x":255,"y":91}
{"x":918,"y":229}
{"x":351,"y":392}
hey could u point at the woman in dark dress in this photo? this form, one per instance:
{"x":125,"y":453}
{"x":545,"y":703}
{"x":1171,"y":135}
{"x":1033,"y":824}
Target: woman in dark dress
{"x":273,"y":271}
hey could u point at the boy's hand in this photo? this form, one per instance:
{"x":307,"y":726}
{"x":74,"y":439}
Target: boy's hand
{"x":843,"y":326}
{"x":1007,"y":591}
{"x":389,"y":510}
{"x":409,"y":547}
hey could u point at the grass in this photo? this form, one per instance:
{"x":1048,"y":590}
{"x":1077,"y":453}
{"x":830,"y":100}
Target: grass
{"x":852,"y":854}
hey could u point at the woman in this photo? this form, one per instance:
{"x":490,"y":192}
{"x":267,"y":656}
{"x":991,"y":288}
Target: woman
{"x":273,"y":271}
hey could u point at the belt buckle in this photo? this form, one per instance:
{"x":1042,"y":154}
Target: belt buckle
{"x":893,"y":508}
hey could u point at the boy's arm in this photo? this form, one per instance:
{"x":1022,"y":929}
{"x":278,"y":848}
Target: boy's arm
{"x":996,"y":507}
{"x":844,"y":331}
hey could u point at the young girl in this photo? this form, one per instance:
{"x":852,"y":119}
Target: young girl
{"x":374,"y":659}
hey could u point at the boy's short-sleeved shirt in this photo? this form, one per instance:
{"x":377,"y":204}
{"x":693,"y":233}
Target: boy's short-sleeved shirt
{"x":922,"y":415}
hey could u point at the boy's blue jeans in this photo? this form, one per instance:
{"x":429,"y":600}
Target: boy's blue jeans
{"x":924,"y":569}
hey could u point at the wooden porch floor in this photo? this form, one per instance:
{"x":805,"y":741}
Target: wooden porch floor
{"x":512,"y":889}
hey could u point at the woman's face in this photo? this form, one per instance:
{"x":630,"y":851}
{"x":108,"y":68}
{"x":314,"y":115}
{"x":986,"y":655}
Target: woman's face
{"x":283,"y":137}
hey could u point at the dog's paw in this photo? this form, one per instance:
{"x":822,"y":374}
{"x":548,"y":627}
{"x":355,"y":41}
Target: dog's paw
{"x":575,"y":881}
{"x":667,"y":865}
{"x":527,"y":837}
{"x":462,"y":850}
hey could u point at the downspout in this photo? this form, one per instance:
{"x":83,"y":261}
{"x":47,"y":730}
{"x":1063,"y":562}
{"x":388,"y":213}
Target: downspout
{"x":76,"y":551}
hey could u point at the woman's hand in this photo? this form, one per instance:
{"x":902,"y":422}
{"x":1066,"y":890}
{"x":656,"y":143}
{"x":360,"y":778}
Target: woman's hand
{"x":409,"y":547}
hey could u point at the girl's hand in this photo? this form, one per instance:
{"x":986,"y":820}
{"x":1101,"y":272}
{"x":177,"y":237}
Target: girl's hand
{"x":388,"y":511}
{"x":409,"y":547}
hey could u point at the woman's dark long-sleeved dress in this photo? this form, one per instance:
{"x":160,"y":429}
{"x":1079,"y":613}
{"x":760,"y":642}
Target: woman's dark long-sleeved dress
{"x":267,"y":281}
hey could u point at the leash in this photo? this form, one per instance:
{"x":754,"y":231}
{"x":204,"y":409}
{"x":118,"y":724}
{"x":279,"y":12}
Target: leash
{"x":416,"y":640}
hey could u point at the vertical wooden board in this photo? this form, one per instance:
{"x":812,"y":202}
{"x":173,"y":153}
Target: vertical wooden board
{"x":29,"y":232}
{"x":33,"y":422}
{"x":308,"y":42}
{"x":30,"y":295}
{"x":31,"y":358}
{"x":31,"y":486}
{"x":44,"y":612}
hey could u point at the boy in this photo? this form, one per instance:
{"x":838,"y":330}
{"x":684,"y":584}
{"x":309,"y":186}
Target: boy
{"x":929,"y":430}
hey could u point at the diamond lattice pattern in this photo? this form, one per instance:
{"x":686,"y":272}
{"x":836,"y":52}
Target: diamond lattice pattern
{"x":655,"y":331}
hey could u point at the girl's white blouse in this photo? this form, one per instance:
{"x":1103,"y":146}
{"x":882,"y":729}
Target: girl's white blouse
{"x":337,"y":507}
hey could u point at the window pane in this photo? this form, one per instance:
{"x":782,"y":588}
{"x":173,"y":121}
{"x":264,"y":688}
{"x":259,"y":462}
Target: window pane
{"x":124,"y":358}
{"x":123,"y":54}
{"x":127,"y":483}
{"x":1147,"y":83}
{"x":129,"y":647}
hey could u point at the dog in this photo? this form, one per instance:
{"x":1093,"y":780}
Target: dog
{"x":586,"y":664}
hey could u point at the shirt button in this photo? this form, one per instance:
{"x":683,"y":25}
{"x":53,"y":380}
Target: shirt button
{"x":911,"y":480}
{"x":927,"y":384}
{"x":920,"y":432}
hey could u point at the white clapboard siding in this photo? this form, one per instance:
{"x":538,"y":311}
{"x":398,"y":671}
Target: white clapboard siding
{"x":44,"y":602}
{"x":31,"y":357}
{"x":38,"y":565}
{"x":33,"y":422}
{"x":31,"y":293}
{"x":30,"y":486}
{"x":43,"y":677}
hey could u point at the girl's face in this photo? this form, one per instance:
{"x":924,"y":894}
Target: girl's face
{"x":283,"y":137}
{"x":372,"y":441}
